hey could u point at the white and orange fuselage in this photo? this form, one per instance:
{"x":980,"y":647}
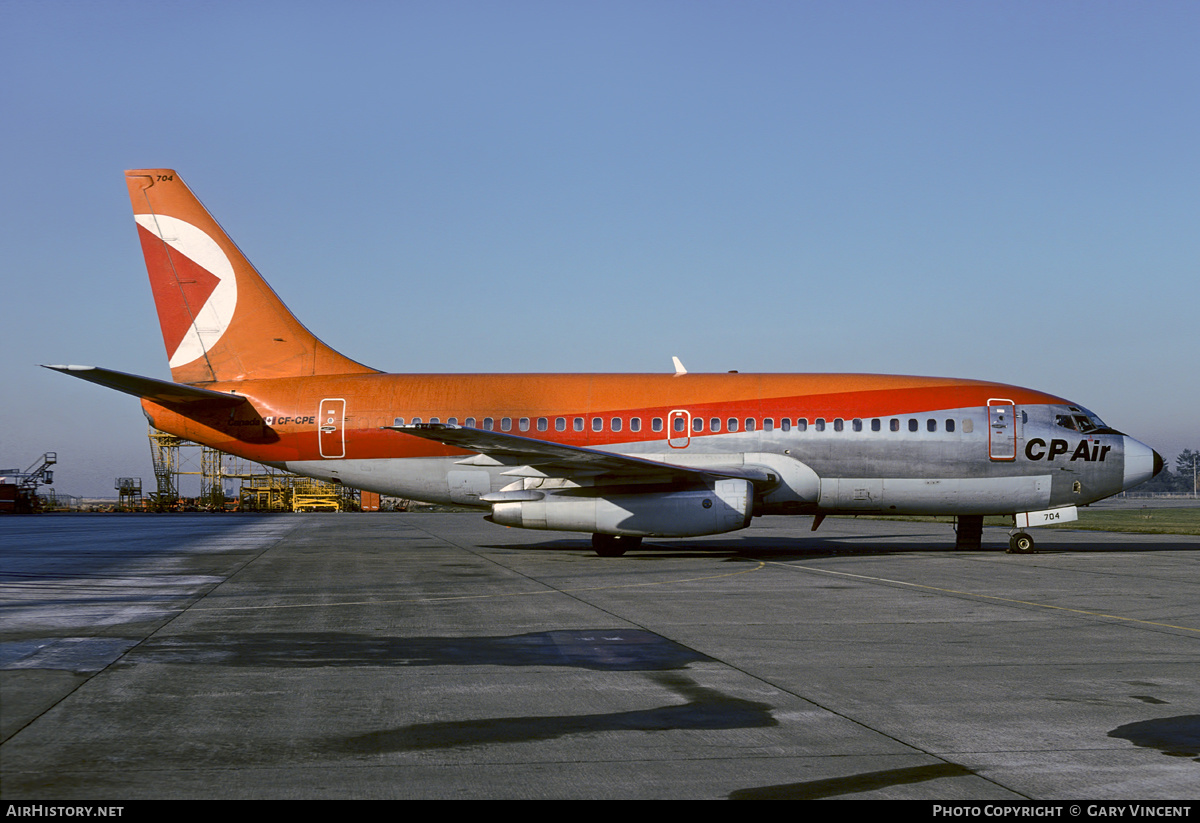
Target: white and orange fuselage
{"x":612,"y":454}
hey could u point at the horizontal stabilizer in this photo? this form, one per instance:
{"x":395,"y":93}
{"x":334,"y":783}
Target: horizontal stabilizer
{"x":163,"y":392}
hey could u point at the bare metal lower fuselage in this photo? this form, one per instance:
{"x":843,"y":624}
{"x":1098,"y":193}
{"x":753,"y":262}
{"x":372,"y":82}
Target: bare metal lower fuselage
{"x":844,"y":471}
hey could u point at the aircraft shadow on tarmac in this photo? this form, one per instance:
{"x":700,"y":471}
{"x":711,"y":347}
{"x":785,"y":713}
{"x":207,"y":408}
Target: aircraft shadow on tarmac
{"x":1173,"y":736}
{"x":852,"y":784}
{"x":596,"y":649}
{"x":774,"y":547}
{"x":705,"y":709}
{"x":785,"y":548}
{"x":616,"y":650}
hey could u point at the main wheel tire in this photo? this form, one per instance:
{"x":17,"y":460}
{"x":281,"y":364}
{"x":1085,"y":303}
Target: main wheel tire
{"x":1020,"y":543}
{"x":608,"y":545}
{"x":614,"y":545}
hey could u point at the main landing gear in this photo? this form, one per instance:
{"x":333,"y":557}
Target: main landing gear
{"x":968,"y":533}
{"x":1020,"y":543}
{"x":614,"y":545}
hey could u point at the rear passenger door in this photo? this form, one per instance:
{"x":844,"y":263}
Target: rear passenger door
{"x":331,"y":423}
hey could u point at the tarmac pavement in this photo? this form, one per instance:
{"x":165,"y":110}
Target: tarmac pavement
{"x":439,"y":656}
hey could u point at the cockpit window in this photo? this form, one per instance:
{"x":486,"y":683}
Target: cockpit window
{"x":1081,"y":421}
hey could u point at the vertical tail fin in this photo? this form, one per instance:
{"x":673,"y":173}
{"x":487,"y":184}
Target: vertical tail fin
{"x":220,"y":320}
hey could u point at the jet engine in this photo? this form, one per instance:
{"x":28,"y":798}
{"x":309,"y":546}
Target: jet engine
{"x":723,"y":506}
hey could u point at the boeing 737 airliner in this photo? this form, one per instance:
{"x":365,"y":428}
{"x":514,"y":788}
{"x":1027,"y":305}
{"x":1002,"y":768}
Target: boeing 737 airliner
{"x":621,"y":457}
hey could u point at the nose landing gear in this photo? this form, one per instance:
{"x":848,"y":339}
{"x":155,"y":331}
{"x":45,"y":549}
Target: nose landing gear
{"x":1020,"y":543}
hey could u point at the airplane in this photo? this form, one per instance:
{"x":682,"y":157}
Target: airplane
{"x":619,"y":456}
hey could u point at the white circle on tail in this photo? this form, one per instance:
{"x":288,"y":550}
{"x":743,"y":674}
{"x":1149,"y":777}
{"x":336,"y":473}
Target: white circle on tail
{"x":208,"y":321}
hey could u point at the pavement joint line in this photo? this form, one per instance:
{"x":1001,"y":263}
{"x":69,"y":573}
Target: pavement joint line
{"x":761,"y":565}
{"x":988,"y":597}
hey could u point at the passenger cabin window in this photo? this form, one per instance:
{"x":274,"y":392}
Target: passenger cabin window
{"x":837,"y":424}
{"x":543,"y":424}
{"x":731,"y":424}
{"x":819,"y":424}
{"x":802,"y":423}
{"x":714,"y":424}
{"x":876,"y":424}
{"x":452,"y":421}
{"x":656,"y":424}
{"x":399,"y":421}
{"x":505,"y":424}
{"x":856,"y":424}
{"x":931,"y":424}
{"x":416,"y":421}
{"x":750,"y":425}
{"x":697,"y":424}
{"x":635,"y":424}
{"x":616,"y":424}
{"x":912,"y":424}
{"x":523,"y":424}
{"x":578,"y":423}
{"x":488,"y":424}
{"x":597,"y":424}
{"x":768,"y":425}
{"x":560,"y":424}
{"x":434,"y":420}
{"x":678,"y":423}
{"x":469,"y":422}
{"x":894,"y":424}
{"x":785,"y":424}
{"x":949,"y":424}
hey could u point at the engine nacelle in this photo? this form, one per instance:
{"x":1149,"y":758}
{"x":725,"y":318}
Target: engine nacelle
{"x":724,"y":506}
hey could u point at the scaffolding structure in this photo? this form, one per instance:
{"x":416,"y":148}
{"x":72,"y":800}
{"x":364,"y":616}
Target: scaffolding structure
{"x":310,"y":495}
{"x":259,"y":488}
{"x":53,"y":501}
{"x":129,"y":494}
{"x":164,"y":454}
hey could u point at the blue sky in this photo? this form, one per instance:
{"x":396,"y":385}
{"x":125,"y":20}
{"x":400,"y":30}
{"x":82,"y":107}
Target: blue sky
{"x":1007,"y":191}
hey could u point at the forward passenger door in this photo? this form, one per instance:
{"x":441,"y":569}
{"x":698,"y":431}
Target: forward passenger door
{"x":1002,"y":429}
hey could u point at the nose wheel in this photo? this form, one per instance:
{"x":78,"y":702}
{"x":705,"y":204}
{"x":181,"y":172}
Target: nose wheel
{"x":1020,"y":543}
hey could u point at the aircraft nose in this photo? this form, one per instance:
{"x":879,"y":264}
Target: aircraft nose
{"x":1141,"y":463}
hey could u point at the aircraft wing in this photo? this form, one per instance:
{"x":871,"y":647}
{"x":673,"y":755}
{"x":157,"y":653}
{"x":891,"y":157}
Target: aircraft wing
{"x":162,"y":392}
{"x":559,"y":460}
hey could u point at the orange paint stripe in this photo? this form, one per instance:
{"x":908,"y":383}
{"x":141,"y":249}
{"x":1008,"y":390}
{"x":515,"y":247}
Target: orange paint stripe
{"x":370,"y":405}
